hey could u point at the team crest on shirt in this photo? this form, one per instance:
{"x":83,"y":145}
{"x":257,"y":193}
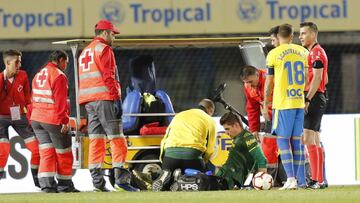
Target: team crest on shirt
{"x":20,"y":88}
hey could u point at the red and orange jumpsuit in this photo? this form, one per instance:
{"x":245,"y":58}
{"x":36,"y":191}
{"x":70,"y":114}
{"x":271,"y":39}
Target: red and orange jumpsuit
{"x":99,"y":91}
{"x":15,"y":92}
{"x":50,"y":110}
{"x":255,"y":98}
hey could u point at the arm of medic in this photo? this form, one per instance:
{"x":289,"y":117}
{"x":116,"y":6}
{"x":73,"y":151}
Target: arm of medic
{"x":253,"y":110}
{"x":109,"y":75}
{"x":268,"y":91}
{"x":60,"y":91}
{"x":211,"y":144}
{"x":27,"y":92}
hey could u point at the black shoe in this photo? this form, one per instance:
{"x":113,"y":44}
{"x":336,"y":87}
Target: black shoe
{"x":311,"y":182}
{"x":323,"y":185}
{"x":2,"y":174}
{"x":162,"y":181}
{"x":102,"y":189}
{"x":175,"y":187}
{"x":49,"y":190}
{"x":126,"y":187}
{"x":72,"y":189}
{"x":314,"y":186}
{"x":142,"y":180}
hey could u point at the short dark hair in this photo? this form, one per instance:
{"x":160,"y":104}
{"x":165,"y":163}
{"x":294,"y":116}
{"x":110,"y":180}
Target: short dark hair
{"x":98,"y":32}
{"x":312,"y":26}
{"x":274,"y":30}
{"x":57,"y":55}
{"x":207,"y":104}
{"x":11,"y":52}
{"x":285,"y":30}
{"x":230,"y":118}
{"x":247,"y":71}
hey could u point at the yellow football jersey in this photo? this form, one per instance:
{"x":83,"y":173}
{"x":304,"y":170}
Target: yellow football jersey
{"x":290,"y":63}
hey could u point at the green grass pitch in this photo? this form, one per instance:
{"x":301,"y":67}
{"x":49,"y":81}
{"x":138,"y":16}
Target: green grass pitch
{"x":332,"y":194}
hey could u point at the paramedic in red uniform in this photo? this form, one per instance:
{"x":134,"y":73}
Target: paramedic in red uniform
{"x":254,"y":81}
{"x":14,"y":98}
{"x":100,"y":92}
{"x":50,"y":119}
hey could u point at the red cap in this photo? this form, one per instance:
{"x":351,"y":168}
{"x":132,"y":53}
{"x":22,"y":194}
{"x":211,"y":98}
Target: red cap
{"x":106,"y":25}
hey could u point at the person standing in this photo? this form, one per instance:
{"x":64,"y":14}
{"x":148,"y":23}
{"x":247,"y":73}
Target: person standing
{"x":273,"y":36}
{"x":100,"y":93}
{"x":14,"y":98}
{"x":286,"y":65}
{"x":50,"y":119}
{"x":315,"y":101}
{"x":189,"y":142}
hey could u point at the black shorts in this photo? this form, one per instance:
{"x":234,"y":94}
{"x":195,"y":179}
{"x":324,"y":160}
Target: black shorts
{"x":172,"y":164}
{"x":312,"y":120}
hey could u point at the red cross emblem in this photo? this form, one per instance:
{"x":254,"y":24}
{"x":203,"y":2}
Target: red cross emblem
{"x":42,"y":77}
{"x":85,"y":59}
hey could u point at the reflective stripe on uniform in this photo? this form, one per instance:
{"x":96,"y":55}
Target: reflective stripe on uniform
{"x":117,"y":164}
{"x":99,"y":47}
{"x":42,"y":92}
{"x":89,"y":75}
{"x":115,"y":136}
{"x":93,"y":90}
{"x":63,"y":151}
{"x":46,"y":146}
{"x":33,"y":166}
{"x":43,"y":100}
{"x":95,"y":165}
{"x":46,"y":174}
{"x":4,"y":140}
{"x":63,"y":177}
{"x":96,"y":136}
{"x":29,"y":139}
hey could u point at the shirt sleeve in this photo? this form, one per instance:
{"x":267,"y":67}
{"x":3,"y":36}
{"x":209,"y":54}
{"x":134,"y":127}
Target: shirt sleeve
{"x":211,"y":142}
{"x":107,"y":59}
{"x":60,"y":91}
{"x":253,"y":112}
{"x":27,"y":92}
{"x":255,"y":150}
{"x":270,"y":62}
{"x":317,"y":59}
{"x":259,"y":157}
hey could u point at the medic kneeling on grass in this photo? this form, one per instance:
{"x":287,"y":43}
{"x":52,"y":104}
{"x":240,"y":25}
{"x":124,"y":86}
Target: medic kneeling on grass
{"x":245,"y":156}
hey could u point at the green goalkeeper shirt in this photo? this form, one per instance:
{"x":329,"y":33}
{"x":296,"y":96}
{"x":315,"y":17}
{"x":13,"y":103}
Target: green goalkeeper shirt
{"x":245,"y":156}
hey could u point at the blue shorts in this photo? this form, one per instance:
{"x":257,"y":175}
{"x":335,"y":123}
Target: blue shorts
{"x":288,"y":122}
